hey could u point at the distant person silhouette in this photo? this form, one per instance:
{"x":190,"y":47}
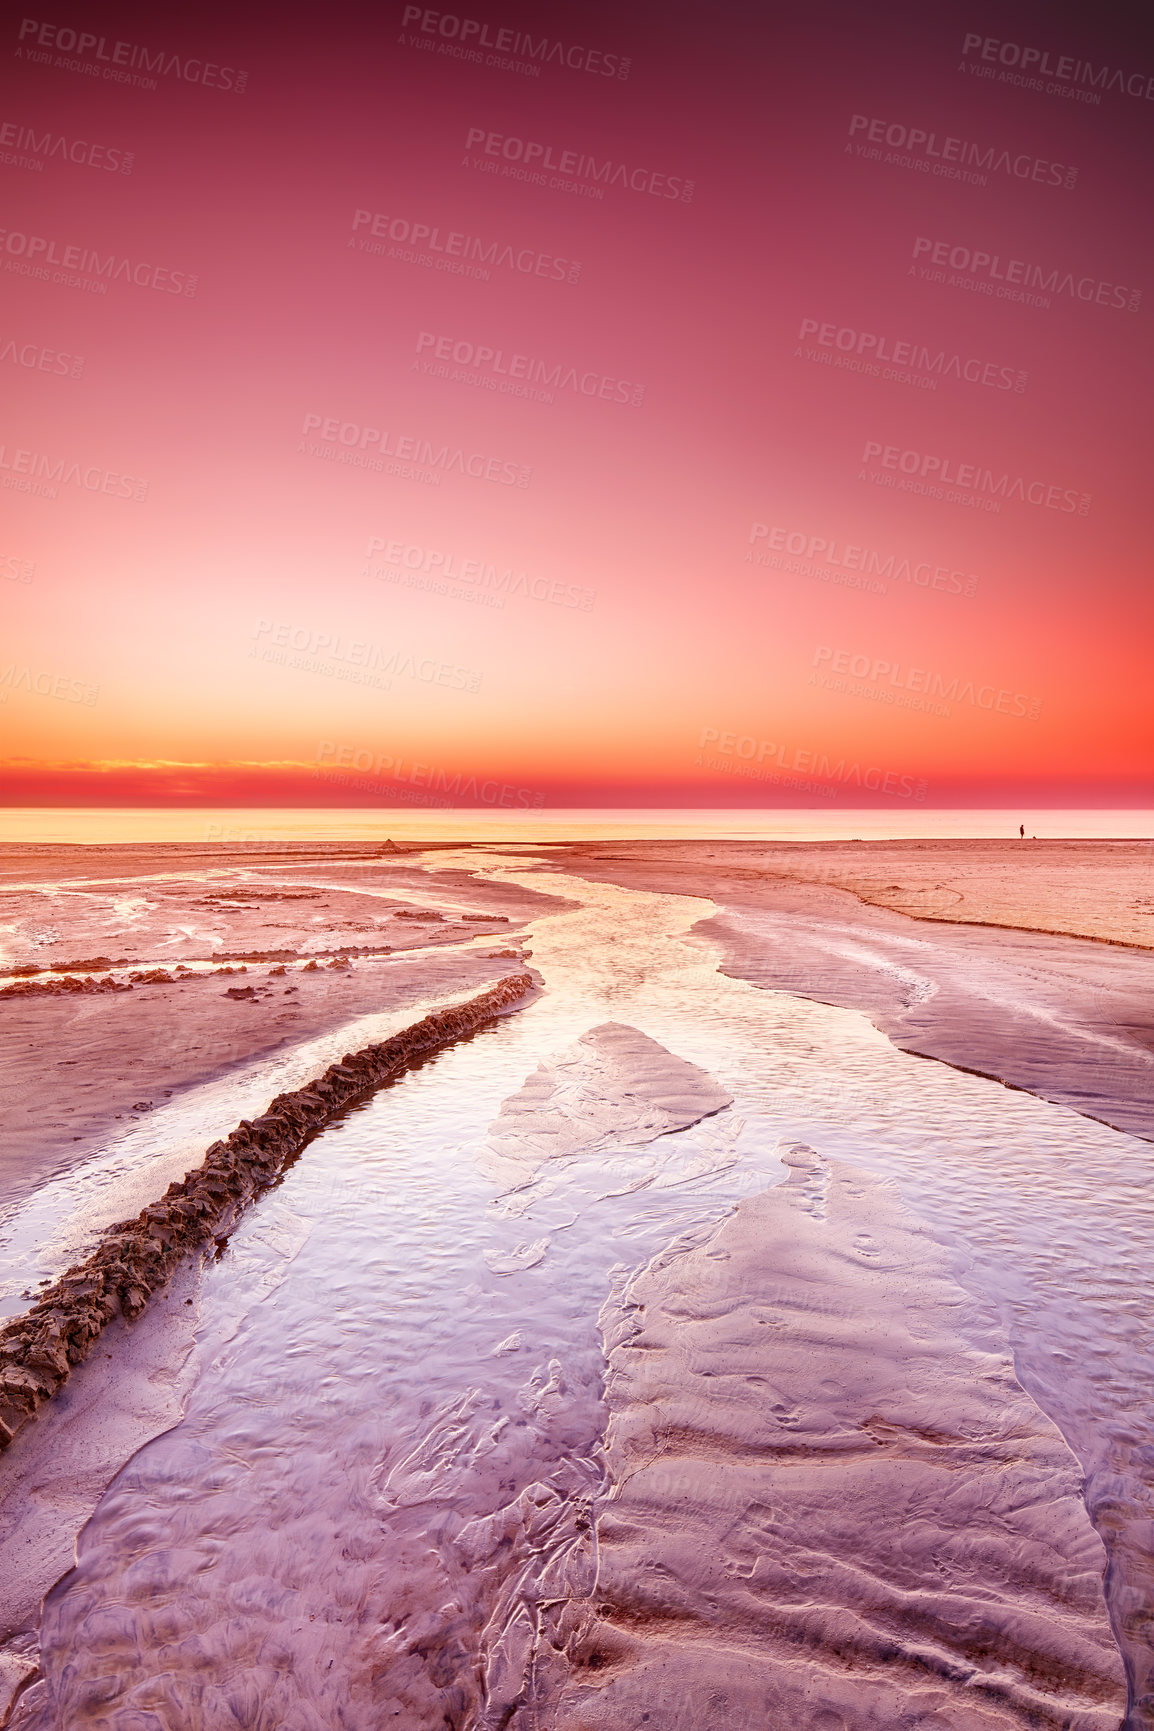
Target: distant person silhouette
{"x":1022,"y":831}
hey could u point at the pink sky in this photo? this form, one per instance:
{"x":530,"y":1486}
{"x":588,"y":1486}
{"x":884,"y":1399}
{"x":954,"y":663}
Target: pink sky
{"x":753,"y":551}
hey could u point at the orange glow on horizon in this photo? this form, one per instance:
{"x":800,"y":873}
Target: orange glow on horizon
{"x":567,"y":485}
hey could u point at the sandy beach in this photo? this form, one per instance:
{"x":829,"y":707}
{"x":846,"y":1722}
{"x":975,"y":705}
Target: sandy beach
{"x":1027,"y":962}
{"x":720,"y":1337}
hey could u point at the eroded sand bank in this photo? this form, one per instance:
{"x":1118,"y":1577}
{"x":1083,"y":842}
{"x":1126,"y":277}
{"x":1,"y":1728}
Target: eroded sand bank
{"x":343,"y":934}
{"x":1062,"y":1009}
{"x":832,"y":1504}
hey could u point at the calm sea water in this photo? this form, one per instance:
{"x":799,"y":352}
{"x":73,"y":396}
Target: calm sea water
{"x":419,"y":823}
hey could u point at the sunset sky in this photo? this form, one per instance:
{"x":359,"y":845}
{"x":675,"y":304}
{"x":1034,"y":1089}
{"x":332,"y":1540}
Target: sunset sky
{"x":778,"y":434}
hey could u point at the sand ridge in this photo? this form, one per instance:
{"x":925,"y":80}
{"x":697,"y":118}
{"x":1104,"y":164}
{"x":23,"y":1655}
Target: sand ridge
{"x":137,"y":1257}
{"x":615,"y":1087}
{"x":833,"y":1506}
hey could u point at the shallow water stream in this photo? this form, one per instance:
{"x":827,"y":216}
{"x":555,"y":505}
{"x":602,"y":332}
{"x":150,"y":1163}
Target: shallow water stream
{"x":390,"y":1450}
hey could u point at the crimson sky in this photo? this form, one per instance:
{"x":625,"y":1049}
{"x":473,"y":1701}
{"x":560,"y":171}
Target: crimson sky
{"x":680,"y":405}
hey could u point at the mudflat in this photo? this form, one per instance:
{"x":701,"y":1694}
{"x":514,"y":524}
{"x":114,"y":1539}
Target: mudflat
{"x":829,"y":1484}
{"x":1079,"y":888}
{"x":131,"y":974}
{"x":1026,"y":962}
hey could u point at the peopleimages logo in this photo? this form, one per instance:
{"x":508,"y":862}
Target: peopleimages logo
{"x":33,"y":472}
{"x":14,"y":569}
{"x":420,"y":563}
{"x":42,"y":684}
{"x":39,"y":359}
{"x":529,"y":160}
{"x":919,"y":356}
{"x":460,"y":254}
{"x":920,"y":681}
{"x":470,"y":33}
{"x":1016,"y":271}
{"x":457,"y":784}
{"x":926,"y":147}
{"x":113,"y":63}
{"x":36,"y":253}
{"x":309,"y":651}
{"x":896,"y":568}
{"x":53,"y":145}
{"x":756,"y":759}
{"x":972,"y":478}
{"x":364,"y":447}
{"x":1035,"y":62}
{"x":522,"y":375}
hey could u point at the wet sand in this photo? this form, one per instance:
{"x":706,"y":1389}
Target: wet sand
{"x":80,"y":1065}
{"x":831,"y":1502}
{"x":1063,"y":1007}
{"x":160,"y":1254}
{"x":1086,"y":889}
{"x":827,"y":1496}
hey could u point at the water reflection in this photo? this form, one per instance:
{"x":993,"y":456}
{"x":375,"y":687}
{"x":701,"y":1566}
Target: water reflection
{"x":385,"y":1475}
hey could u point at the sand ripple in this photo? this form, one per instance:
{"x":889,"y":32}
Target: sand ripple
{"x":833,"y":1505}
